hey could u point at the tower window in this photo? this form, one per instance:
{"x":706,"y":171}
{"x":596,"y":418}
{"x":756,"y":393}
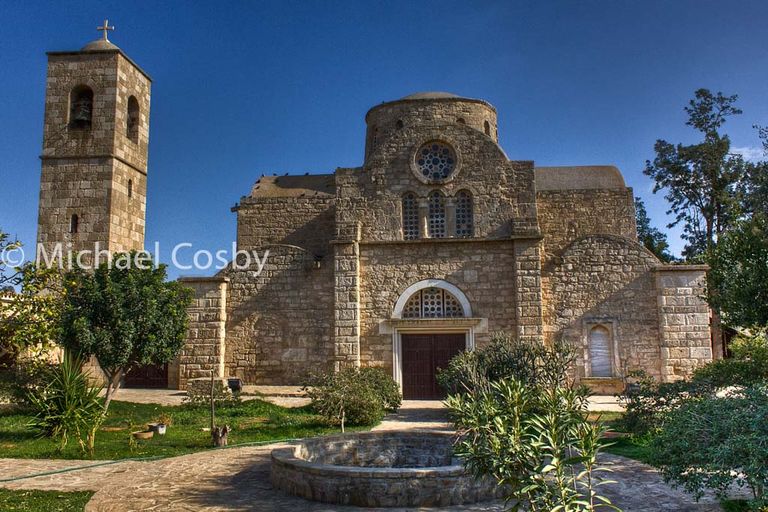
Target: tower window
{"x":461,"y":120}
{"x":73,"y":224}
{"x":399,"y":124}
{"x":130,"y":189}
{"x":464,"y":217}
{"x":436,"y":218}
{"x":80,"y":107}
{"x":487,"y":128}
{"x":410,"y":217}
{"x":132,"y":119}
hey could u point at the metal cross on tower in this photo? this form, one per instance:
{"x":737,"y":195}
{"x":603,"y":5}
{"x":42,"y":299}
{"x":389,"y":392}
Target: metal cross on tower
{"x":105,"y":28}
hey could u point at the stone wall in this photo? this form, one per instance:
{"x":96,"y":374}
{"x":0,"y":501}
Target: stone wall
{"x":683,"y":319}
{"x":205,"y":347}
{"x":305,"y":222}
{"x":607,"y":280}
{"x":280,"y":322}
{"x":484,"y":271}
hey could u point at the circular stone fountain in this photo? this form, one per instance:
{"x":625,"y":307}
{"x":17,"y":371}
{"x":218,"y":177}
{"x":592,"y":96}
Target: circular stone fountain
{"x":379,"y":469}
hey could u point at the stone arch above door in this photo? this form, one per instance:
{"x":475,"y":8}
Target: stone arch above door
{"x":451,"y":289}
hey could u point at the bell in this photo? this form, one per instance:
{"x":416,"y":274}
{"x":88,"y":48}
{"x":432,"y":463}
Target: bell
{"x":81,"y":111}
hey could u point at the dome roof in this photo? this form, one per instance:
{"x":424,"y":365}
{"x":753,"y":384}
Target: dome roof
{"x":429,"y":95}
{"x":99,"y":44}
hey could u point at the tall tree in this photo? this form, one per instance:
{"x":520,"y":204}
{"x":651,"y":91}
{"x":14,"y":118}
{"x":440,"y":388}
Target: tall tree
{"x":124,"y":314}
{"x":9,"y":276}
{"x":739,"y":273}
{"x":652,"y":238}
{"x":700,"y":180}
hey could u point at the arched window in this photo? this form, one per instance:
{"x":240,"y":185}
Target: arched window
{"x":487,"y":128}
{"x":399,"y":124}
{"x":600,"y":353}
{"x":80,"y":107}
{"x":73,"y":224}
{"x":130,"y":189}
{"x":433,"y":303}
{"x":436,"y":216}
{"x":410,"y":217}
{"x":132,"y":119}
{"x":464,"y":217}
{"x":461,"y":120}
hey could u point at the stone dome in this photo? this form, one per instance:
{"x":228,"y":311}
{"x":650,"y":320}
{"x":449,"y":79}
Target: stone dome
{"x":430,"y":95}
{"x":99,"y":44}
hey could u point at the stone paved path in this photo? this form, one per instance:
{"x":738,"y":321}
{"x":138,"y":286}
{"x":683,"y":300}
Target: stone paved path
{"x":237,"y":479}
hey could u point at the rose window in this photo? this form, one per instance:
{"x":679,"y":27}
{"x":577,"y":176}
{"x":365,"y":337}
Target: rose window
{"x":436,"y":161}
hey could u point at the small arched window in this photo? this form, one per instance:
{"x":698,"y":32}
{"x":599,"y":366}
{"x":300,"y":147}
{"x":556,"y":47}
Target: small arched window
{"x":461,"y":120}
{"x":132,"y":119}
{"x":600,"y":352}
{"x":130,"y":189}
{"x":410,"y":217}
{"x":433,"y":303}
{"x":487,"y":128}
{"x":464,"y":215}
{"x":436,"y":216}
{"x":80,"y":107}
{"x":74,"y":222}
{"x":399,"y":124}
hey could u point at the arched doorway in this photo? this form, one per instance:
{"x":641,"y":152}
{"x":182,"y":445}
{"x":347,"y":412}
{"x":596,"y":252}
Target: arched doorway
{"x":434,"y":328}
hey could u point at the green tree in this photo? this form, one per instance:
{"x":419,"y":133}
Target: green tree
{"x":739,"y":273}
{"x":652,"y":238}
{"x":9,"y":277}
{"x":700,"y":180}
{"x":30,"y":320}
{"x":125,"y":315}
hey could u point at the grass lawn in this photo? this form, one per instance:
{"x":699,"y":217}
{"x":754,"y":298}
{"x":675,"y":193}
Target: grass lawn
{"x":252,"y":420}
{"x":43,"y":501}
{"x":735,"y":506}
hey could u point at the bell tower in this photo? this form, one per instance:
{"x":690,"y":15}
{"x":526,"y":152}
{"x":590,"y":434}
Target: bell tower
{"x":93,"y":185}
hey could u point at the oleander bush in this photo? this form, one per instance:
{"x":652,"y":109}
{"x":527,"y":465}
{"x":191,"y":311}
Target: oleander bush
{"x":528,"y":428}
{"x":353,"y":396}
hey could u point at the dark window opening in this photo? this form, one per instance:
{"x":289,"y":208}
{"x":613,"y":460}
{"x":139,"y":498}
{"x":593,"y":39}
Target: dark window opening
{"x":73,"y":224}
{"x":81,"y":107}
{"x":130,"y":189}
{"x":487,"y":127}
{"x":399,"y":124}
{"x":132,"y":123}
{"x":461,"y":120}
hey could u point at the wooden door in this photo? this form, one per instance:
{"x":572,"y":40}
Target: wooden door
{"x":422,"y":355}
{"x":151,"y":376}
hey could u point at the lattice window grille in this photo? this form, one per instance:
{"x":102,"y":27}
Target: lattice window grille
{"x":410,"y":217}
{"x":436,"y":215}
{"x":464,"y":220}
{"x":432,"y":303}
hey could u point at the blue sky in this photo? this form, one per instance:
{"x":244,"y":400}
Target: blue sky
{"x":245,"y":88}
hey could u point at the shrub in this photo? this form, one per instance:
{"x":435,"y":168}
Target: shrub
{"x":714,"y":442}
{"x":504,"y":357}
{"x":384,"y":385}
{"x":533,"y":436}
{"x":353,"y":396}
{"x":22,"y":377}
{"x":68,"y":406}
{"x":647,"y":402}
{"x":748,"y":366}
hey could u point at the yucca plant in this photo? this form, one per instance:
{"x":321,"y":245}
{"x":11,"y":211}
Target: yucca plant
{"x":68,"y":406}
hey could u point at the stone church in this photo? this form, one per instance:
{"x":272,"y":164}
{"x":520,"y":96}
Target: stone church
{"x":436,"y":241}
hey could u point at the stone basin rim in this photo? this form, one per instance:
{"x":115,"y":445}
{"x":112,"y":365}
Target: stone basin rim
{"x":286,"y":457}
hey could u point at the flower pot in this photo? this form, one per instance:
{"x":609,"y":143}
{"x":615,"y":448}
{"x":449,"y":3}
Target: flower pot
{"x":145,"y":434}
